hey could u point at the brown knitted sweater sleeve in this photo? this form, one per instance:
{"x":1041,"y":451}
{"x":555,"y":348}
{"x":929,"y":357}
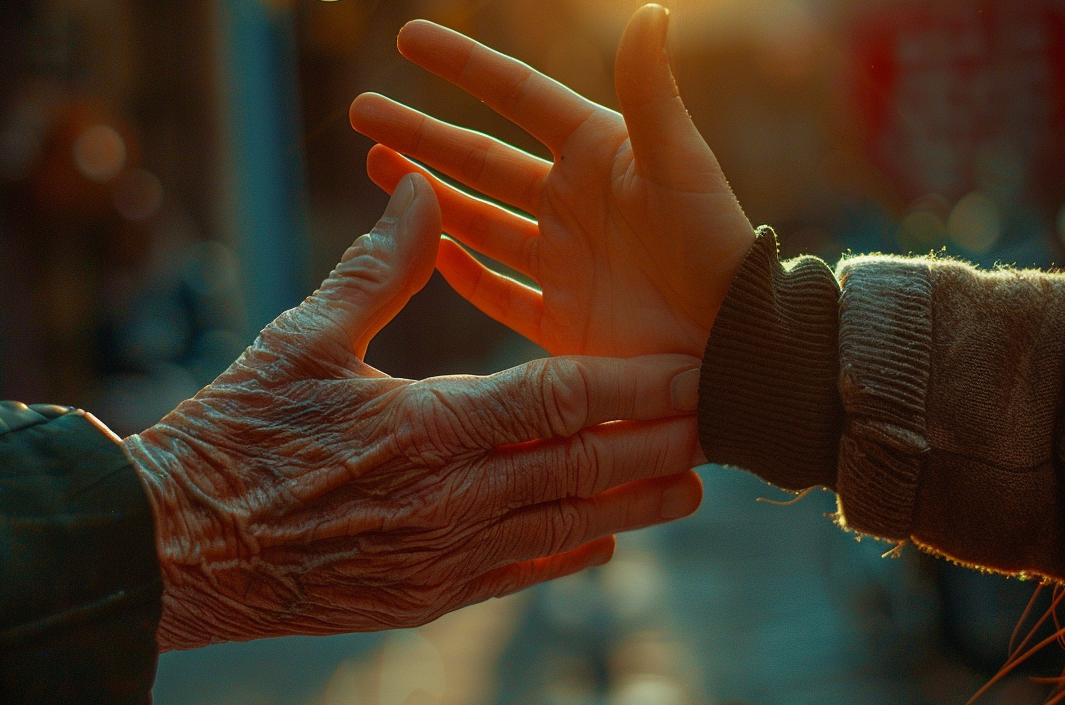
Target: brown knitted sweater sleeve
{"x":926,"y":393}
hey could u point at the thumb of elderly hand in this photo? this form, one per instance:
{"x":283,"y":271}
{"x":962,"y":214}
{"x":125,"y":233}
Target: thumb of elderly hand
{"x":304,"y":492}
{"x":379,"y":272}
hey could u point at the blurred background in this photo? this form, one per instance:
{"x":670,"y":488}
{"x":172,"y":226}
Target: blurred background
{"x":174,"y":173}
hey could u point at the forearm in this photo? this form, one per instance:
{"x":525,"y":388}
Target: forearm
{"x":925,"y":394}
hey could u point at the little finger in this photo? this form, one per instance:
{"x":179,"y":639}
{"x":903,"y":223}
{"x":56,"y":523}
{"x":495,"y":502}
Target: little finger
{"x":513,"y":578}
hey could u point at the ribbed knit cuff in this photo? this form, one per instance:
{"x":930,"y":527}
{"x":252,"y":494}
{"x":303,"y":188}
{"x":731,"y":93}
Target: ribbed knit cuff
{"x":768,"y":394}
{"x":885,"y":347}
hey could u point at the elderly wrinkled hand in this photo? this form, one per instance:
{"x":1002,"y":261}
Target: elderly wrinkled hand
{"x":304,"y":492}
{"x":636,"y":236}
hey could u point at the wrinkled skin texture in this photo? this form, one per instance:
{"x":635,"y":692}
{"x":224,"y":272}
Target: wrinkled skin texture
{"x":304,"y":492}
{"x":636,"y":236}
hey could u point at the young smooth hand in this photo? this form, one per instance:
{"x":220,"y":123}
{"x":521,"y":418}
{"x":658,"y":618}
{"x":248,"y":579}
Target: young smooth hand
{"x":305,"y":492}
{"x":636,"y":235}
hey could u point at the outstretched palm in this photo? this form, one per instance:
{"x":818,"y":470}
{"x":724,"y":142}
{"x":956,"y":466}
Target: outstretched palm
{"x":636,"y":234}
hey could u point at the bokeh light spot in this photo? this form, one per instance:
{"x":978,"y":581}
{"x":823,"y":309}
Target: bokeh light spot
{"x":975,"y":223}
{"x":138,"y":194}
{"x":411,"y":663}
{"x":100,"y":153}
{"x":650,"y":690}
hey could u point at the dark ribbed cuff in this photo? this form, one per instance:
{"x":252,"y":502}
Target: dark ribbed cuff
{"x":768,"y":393}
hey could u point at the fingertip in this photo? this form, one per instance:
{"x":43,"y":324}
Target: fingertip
{"x":682,"y":498}
{"x":364,"y":105}
{"x":603,"y":551}
{"x":424,"y":210}
{"x":647,"y":28}
{"x":419,"y":184}
{"x":379,"y":152}
{"x":380,"y":169}
{"x":655,"y":16}
{"x":697,"y":483}
{"x":385,"y":167}
{"x":410,"y":30}
{"x":404,"y":35}
{"x":413,"y":35}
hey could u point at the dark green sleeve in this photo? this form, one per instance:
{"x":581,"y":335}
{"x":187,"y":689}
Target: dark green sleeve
{"x":80,"y":592}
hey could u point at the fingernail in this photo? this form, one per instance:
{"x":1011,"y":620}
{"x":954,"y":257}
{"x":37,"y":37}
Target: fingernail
{"x":402,"y":198}
{"x":685,"y":390}
{"x":677,"y":502}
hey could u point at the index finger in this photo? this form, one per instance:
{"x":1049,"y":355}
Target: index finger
{"x":559,"y":396}
{"x":543,"y":107}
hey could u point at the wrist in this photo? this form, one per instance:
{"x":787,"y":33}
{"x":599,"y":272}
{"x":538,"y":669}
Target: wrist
{"x":180,"y":532}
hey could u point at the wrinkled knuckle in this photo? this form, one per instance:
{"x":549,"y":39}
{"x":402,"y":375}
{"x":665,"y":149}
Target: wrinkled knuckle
{"x":362,"y":247}
{"x":566,"y":395}
{"x":569,"y":528}
{"x":417,"y":434}
{"x":367,"y":264}
{"x":585,"y":458}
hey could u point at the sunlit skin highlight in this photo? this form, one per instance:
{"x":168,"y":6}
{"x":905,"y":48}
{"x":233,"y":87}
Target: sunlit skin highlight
{"x":633,"y":235}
